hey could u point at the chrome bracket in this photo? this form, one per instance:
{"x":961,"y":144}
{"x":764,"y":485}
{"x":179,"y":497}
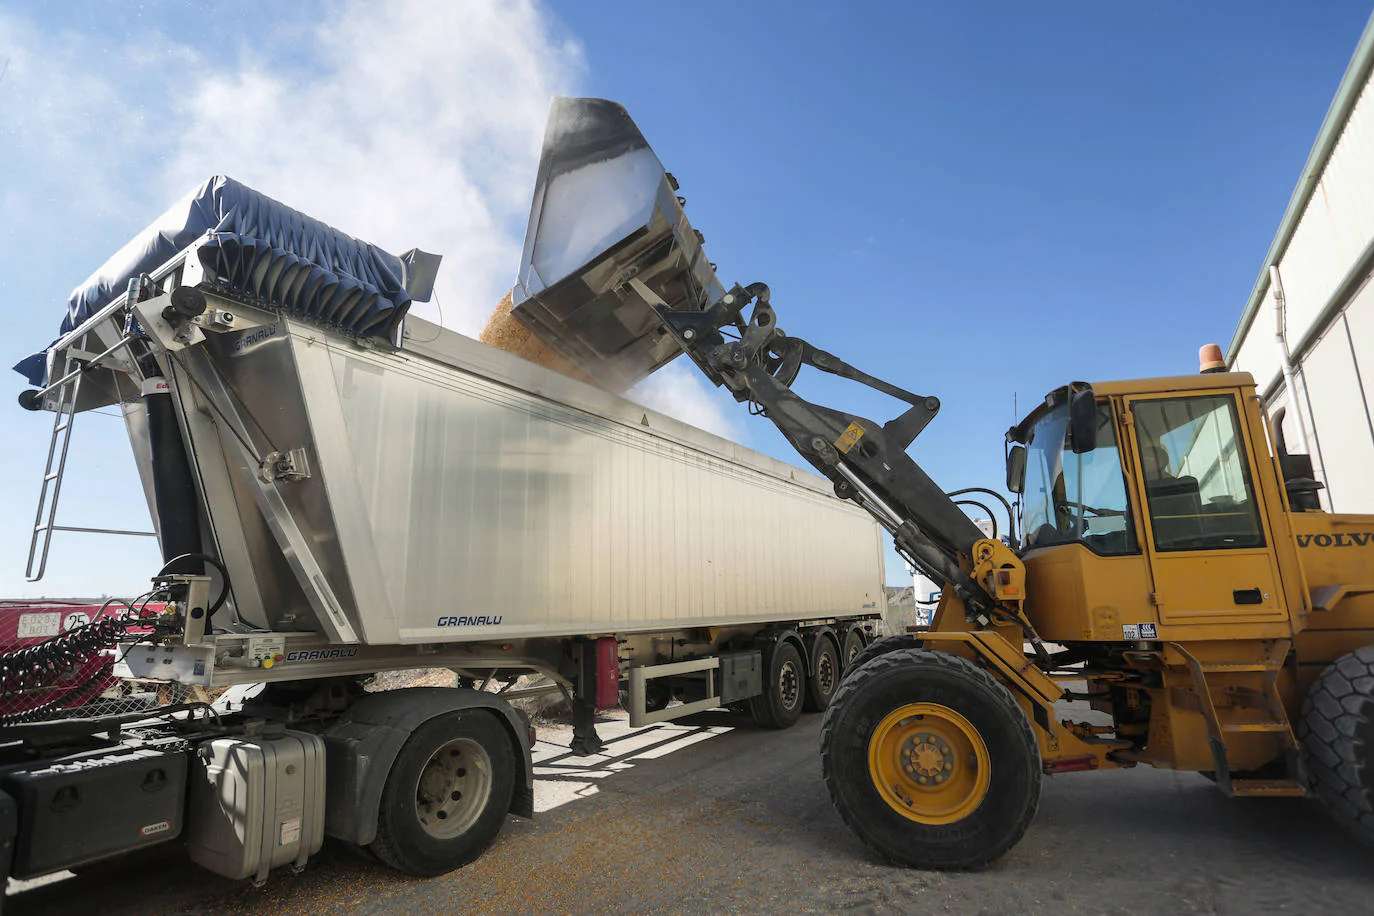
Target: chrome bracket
{"x":285,"y":466}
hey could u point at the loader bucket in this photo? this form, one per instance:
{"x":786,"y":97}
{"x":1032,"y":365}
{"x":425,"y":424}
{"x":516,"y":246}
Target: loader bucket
{"x":604,"y":211}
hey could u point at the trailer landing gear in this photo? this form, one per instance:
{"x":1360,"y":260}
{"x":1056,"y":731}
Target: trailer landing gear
{"x":585,"y":741}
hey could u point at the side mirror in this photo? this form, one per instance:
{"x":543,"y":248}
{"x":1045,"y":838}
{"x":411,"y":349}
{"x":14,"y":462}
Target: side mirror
{"x":1082,"y":418}
{"x":1016,"y":469}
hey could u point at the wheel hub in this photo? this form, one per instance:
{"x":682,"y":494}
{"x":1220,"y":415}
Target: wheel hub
{"x":929,"y":763}
{"x":787,"y":684}
{"x":453,"y":788}
{"x":825,"y":673}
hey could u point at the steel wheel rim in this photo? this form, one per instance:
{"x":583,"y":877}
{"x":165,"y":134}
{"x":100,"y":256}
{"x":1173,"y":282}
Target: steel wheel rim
{"x":452,"y":789}
{"x":929,"y":763}
{"x":825,"y":673}
{"x":789,"y":685}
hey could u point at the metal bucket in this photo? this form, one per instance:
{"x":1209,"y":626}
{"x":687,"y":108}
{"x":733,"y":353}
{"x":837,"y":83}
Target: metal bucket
{"x":605,"y":212}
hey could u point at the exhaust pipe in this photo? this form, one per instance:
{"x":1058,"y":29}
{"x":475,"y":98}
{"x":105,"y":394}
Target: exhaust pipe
{"x":605,"y":212}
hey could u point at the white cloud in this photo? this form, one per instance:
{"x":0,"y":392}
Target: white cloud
{"x":679,"y":391}
{"x":418,"y":124}
{"x":75,"y":130}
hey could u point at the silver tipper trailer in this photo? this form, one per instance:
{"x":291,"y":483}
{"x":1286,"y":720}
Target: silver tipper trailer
{"x":338,"y":490}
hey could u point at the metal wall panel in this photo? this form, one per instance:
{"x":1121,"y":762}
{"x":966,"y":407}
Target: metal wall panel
{"x":1259,"y":352}
{"x":1335,"y":230}
{"x":1347,"y":448}
{"x":1337,"y":225}
{"x":458,"y":493}
{"x":487,"y":501}
{"x":1329,"y":330}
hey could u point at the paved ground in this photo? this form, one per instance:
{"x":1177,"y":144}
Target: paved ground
{"x":715,"y":816}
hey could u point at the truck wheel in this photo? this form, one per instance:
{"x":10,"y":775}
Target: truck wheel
{"x":930,"y":760}
{"x":882,"y":647}
{"x":1337,"y":734}
{"x":784,"y":689}
{"x":853,"y":645}
{"x":447,"y":794}
{"x":821,"y":686}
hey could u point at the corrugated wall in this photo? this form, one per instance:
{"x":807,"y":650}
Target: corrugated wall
{"x":1325,"y":272}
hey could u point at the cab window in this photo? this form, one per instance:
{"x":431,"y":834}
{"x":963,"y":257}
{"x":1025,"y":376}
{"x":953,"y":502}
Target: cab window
{"x":1076,"y":498}
{"x":1197,"y":480}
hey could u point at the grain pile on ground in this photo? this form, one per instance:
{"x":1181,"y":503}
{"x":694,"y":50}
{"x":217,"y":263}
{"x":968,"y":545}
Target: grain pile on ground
{"x":543,"y":707}
{"x":412,"y":677}
{"x":504,"y":332}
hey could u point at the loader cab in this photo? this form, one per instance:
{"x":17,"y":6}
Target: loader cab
{"x":1074,"y":496}
{"x":1170,"y":524}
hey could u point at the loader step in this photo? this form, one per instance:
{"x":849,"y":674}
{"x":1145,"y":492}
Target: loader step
{"x":1237,"y":668}
{"x":1268,"y":787}
{"x":1254,"y":726}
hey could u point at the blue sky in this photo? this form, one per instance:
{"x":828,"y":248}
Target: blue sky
{"x":977,"y":201}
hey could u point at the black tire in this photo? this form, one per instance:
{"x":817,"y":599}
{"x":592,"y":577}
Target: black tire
{"x":882,"y":647}
{"x":825,"y":676}
{"x":656,"y":697}
{"x":985,"y":822}
{"x":483,"y":761}
{"x":853,"y":644}
{"x":784,"y":689}
{"x":1337,"y":735}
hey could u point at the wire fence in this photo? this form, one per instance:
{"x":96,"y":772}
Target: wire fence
{"x":57,"y":660}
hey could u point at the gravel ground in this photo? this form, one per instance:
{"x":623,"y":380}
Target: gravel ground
{"x":712,"y":815}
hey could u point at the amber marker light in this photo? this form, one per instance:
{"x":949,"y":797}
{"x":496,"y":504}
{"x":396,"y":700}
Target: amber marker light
{"x":1209,"y":359}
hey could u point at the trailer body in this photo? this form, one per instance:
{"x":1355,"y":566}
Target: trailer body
{"x":340,"y":490}
{"x":457,"y":493}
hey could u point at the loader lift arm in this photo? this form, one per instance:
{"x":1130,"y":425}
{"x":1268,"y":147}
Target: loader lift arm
{"x":866,"y":462}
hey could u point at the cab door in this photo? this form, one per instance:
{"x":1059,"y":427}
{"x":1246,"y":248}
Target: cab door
{"x":1207,"y":538}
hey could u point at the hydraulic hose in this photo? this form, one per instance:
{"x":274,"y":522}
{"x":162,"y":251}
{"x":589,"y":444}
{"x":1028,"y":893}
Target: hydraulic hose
{"x":1011,"y":518}
{"x":43,"y":665}
{"x":213,"y":561}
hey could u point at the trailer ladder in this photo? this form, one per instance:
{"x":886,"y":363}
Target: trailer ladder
{"x":64,"y":394}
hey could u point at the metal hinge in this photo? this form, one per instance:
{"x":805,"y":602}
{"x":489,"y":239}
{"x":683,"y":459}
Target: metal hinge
{"x":285,"y":466}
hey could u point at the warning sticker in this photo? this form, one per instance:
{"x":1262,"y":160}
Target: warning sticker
{"x":290,"y":832}
{"x":850,"y":437}
{"x":1139,"y":631}
{"x":37,"y":626}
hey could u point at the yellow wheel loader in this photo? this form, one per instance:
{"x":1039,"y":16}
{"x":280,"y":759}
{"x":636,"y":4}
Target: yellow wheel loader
{"x":1166,"y":559}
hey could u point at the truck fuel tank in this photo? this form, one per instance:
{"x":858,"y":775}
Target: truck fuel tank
{"x":604,"y":211}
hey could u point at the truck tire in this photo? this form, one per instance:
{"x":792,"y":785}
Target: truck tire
{"x":1337,"y":735}
{"x":825,"y":679}
{"x":784,"y":689}
{"x":447,"y":794}
{"x":882,"y":647}
{"x":853,"y":645}
{"x":930,"y":760}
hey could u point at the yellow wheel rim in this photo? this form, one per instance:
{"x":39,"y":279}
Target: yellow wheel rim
{"x":929,"y":763}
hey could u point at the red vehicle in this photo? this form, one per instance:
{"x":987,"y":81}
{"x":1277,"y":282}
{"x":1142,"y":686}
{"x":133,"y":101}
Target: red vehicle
{"x":26,"y":623}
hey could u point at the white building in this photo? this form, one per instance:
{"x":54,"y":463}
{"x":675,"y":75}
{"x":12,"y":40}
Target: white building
{"x":1307,"y":333}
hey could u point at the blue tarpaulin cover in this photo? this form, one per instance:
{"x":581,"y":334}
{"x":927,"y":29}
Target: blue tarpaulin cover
{"x":260,"y":250}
